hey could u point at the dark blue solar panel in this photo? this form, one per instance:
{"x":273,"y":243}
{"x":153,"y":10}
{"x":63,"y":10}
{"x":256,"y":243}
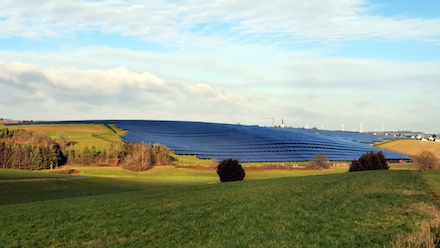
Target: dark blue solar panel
{"x":353,"y":136}
{"x":248,"y":143}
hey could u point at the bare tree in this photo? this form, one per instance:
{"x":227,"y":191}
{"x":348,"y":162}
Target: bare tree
{"x":319,"y":162}
{"x":426,"y":160}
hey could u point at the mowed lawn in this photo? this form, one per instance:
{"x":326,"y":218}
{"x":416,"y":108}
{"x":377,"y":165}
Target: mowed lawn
{"x":169,"y":207}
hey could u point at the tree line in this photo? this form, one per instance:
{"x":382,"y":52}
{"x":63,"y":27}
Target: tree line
{"x":22,"y":149}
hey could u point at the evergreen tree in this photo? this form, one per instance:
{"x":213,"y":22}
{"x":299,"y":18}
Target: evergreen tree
{"x":370,"y":161}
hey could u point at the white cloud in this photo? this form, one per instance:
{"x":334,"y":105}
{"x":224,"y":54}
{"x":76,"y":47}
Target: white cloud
{"x":225,"y":61}
{"x":299,"y":88}
{"x":53,"y":93}
{"x":89,"y":82}
{"x":105,"y":82}
{"x":171,"y":22}
{"x":364,"y":74}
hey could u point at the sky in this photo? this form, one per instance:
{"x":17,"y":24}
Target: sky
{"x":314,"y":63}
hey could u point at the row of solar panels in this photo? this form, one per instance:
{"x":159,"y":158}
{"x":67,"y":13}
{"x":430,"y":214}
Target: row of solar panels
{"x":353,"y":136}
{"x":247,"y":143}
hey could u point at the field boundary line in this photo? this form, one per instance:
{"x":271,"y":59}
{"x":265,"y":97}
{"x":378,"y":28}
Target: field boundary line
{"x":42,"y":179}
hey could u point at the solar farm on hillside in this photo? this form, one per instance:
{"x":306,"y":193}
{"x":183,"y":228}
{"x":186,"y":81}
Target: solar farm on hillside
{"x":248,"y":143}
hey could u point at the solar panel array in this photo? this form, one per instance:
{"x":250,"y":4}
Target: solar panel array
{"x":353,"y":136}
{"x":247,"y":143}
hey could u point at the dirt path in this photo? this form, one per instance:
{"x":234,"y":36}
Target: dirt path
{"x":43,"y":179}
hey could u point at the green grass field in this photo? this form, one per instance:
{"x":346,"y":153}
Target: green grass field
{"x":171,"y":207}
{"x":9,"y":174}
{"x":98,"y":135}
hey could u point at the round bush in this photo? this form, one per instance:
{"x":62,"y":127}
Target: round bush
{"x":370,"y":161}
{"x":319,"y":162}
{"x":230,"y":170}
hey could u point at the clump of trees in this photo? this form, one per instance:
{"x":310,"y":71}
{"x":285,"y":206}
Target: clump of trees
{"x":319,"y":162}
{"x":426,"y":160}
{"x":370,"y":161}
{"x":21,"y":149}
{"x":141,"y":157}
{"x":230,"y":170}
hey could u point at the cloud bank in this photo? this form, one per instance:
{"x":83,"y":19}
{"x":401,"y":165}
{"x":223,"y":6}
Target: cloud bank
{"x":222,"y":61}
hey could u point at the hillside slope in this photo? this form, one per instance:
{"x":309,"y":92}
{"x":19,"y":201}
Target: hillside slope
{"x":245,"y":143}
{"x":411,"y":147}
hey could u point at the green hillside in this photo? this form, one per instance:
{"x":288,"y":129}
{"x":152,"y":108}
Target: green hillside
{"x":98,"y":135}
{"x":169,"y":207}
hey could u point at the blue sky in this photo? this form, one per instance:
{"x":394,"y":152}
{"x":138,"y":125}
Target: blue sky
{"x":312,"y":63}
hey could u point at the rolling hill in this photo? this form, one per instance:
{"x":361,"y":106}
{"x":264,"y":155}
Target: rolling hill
{"x":246,"y":143}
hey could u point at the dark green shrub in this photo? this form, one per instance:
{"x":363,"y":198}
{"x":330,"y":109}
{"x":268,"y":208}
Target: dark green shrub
{"x":319,"y":162}
{"x":370,"y":161}
{"x":230,"y":170}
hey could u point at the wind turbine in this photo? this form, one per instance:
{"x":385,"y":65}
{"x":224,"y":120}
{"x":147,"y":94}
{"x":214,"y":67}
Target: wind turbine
{"x":360,"y":127}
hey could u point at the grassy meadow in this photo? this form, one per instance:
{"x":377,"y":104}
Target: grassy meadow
{"x":172,"y":207}
{"x":98,"y":135}
{"x":9,"y":174}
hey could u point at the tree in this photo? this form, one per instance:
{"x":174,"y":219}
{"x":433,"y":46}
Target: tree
{"x":62,"y":140}
{"x":162,"y":154}
{"x":140,"y":158}
{"x":426,"y":160}
{"x":36,"y":158}
{"x":370,"y":161}
{"x":115,"y":153}
{"x":319,"y":162}
{"x":230,"y":170}
{"x":59,"y":158}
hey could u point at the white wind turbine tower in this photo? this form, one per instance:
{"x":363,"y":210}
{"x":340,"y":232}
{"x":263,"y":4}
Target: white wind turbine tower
{"x":342,"y":127}
{"x":360,"y":127}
